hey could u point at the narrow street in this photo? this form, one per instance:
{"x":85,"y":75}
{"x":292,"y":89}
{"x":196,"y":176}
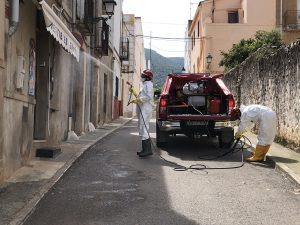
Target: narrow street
{"x":74,"y":75}
{"x":109,"y":184}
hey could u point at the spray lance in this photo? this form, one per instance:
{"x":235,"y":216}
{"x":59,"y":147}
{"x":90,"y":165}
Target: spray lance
{"x":132,"y":92}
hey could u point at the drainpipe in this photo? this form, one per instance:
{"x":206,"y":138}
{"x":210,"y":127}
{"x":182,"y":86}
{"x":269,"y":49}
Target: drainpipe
{"x":213,"y":12}
{"x":281,"y":19}
{"x":71,"y":134}
{"x":92,"y":64}
{"x":14,"y":20}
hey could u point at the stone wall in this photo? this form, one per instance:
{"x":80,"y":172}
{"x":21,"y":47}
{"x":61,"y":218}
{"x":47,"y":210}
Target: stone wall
{"x":272,"y":80}
{"x":17,"y":106}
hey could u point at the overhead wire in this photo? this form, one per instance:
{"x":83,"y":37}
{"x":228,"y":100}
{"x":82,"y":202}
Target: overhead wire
{"x":164,"y":50}
{"x":162,"y":38}
{"x":170,"y":38}
{"x":175,"y":24}
{"x":156,"y":39}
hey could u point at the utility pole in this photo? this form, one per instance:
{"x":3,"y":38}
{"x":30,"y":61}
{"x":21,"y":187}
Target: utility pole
{"x":150,"y":52}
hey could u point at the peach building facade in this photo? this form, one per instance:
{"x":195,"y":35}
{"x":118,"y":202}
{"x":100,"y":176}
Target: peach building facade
{"x":218,"y":24}
{"x":288,"y":19}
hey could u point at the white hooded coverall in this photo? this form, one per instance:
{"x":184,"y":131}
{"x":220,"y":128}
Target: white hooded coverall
{"x":146,"y":106}
{"x":263,"y":117}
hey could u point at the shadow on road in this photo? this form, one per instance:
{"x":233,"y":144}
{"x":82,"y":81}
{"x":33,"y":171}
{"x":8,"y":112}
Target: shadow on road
{"x":188,"y":149}
{"x":110,"y":185}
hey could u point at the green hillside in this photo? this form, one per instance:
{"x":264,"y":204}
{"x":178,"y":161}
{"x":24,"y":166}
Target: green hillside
{"x":162,"y":66}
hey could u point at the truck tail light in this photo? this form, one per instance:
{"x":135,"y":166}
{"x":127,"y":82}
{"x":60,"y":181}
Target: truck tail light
{"x":231,"y":104}
{"x":163,"y":107}
{"x":163,"y":102}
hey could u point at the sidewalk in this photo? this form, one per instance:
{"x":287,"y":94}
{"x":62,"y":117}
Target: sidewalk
{"x":22,"y":192}
{"x":285,"y":160}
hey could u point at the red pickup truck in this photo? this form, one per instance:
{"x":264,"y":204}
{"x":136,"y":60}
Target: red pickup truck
{"x":195,"y":105}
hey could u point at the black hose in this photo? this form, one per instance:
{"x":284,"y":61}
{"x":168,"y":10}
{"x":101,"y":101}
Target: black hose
{"x":233,"y":149}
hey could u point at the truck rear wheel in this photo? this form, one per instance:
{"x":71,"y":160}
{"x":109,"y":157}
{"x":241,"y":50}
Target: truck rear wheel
{"x":161,"y":137}
{"x":226,"y":137}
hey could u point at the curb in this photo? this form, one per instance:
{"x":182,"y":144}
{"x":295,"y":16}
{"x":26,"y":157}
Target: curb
{"x":23,"y":214}
{"x":281,"y":167}
{"x":293,"y":177}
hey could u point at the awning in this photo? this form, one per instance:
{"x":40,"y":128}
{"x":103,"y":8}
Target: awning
{"x":60,"y":31}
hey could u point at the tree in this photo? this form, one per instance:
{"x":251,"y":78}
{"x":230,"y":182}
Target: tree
{"x":240,"y":51}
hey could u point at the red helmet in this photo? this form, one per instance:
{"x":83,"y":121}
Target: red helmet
{"x":148,"y":74}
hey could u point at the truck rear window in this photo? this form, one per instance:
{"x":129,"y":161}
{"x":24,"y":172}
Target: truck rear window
{"x":205,"y":96}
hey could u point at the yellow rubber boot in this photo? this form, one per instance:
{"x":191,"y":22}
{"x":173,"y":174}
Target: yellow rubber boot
{"x":259,"y":153}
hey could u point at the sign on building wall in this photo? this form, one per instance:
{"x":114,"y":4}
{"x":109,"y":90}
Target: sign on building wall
{"x":32,"y":63}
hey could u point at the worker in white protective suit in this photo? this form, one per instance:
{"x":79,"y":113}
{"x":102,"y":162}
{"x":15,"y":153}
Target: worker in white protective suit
{"x":265,"y":119}
{"x":144,"y":101}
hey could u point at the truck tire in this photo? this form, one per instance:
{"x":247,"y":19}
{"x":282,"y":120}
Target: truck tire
{"x":226,"y":137}
{"x":161,"y":137}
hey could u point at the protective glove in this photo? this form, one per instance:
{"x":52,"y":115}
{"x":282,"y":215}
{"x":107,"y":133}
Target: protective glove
{"x":133,"y":91}
{"x":136,"y":101}
{"x":238,"y":135}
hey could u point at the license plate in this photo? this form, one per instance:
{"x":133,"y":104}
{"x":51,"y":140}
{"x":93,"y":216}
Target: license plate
{"x":196,"y":123}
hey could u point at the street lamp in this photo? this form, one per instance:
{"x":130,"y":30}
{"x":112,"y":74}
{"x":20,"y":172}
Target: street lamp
{"x":109,"y":6}
{"x":209,"y":59}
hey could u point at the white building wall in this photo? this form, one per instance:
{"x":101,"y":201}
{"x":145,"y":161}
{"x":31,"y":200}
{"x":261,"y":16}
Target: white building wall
{"x":136,"y":63}
{"x":187,"y":52}
{"x":116,"y":37}
{"x":128,"y":65}
{"x":140,"y":59}
{"x":116,"y":32}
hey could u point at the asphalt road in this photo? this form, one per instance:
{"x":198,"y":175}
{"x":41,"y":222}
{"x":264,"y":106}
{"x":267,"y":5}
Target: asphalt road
{"x":110,"y":185}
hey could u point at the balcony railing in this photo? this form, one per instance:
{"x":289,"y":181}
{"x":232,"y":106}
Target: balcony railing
{"x":291,"y":20}
{"x":124,"y":49}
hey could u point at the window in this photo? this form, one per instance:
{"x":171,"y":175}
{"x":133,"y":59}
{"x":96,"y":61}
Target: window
{"x":198,"y":28}
{"x":233,"y":17}
{"x":194,"y":41}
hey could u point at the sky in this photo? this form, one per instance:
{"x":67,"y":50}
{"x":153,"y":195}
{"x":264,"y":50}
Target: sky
{"x":163,"y":18}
